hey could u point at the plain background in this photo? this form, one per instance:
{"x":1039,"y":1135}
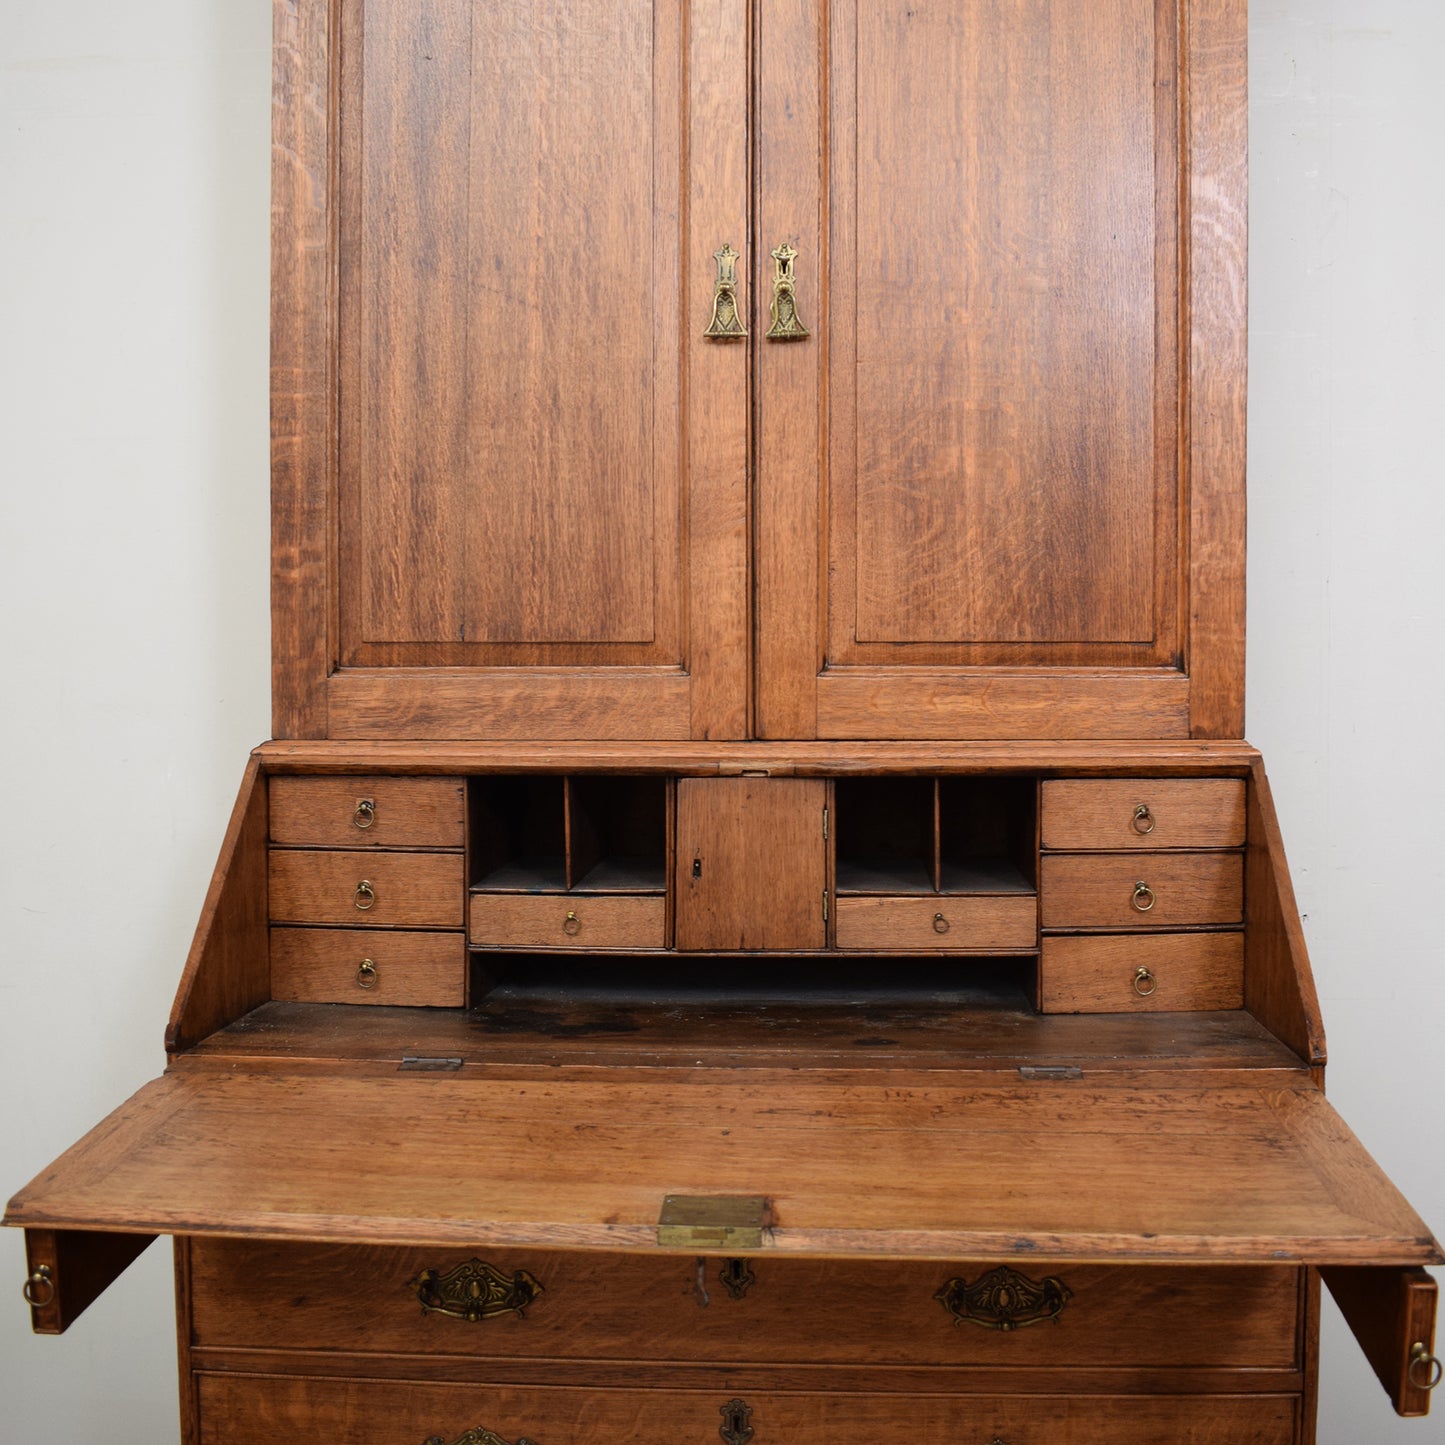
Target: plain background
{"x":133,"y":557}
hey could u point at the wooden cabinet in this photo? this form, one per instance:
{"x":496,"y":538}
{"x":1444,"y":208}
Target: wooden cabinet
{"x":758,"y":518}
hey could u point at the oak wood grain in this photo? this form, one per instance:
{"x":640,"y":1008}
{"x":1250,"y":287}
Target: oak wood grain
{"x":1391,"y":1313}
{"x":1099,"y":813}
{"x":566,"y":920}
{"x":403,"y":812}
{"x":982,"y":922}
{"x":1098,"y":973}
{"x":406,"y":890}
{"x":227,"y":971}
{"x":321,"y":965}
{"x":1098,"y":890}
{"x":80,"y":1267}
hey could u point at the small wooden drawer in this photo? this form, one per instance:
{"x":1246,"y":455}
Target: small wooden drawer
{"x":266,"y":1409}
{"x":568,"y":920}
{"x":404,"y":890}
{"x":1141,"y":973}
{"x":1117,"y":813}
{"x":360,"y":965}
{"x":368,"y":812}
{"x":938,"y":921}
{"x":1120,"y":890}
{"x":574,"y":1305}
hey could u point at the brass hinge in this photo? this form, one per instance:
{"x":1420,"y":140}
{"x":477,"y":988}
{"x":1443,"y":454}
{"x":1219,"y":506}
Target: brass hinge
{"x":1044,"y":1072}
{"x":825,"y":905}
{"x":419,"y":1064}
{"x":713,"y":1221}
{"x":825,"y":825}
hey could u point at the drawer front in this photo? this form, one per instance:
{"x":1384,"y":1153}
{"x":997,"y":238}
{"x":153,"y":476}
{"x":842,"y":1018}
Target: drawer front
{"x":405,"y":890}
{"x":359,"y":965}
{"x":1142,"y":972}
{"x":938,"y":921}
{"x":780,"y":1311}
{"x":368,"y":812}
{"x":265,"y":1410}
{"x":1143,"y":813}
{"x":1113,"y":890}
{"x":571,"y":920}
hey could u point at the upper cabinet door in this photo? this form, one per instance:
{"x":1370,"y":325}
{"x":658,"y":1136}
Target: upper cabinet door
{"x":493,"y":270}
{"x":1000,"y":487}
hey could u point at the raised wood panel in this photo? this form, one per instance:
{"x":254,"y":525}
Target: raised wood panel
{"x":260,"y":1410}
{"x":751,"y":865}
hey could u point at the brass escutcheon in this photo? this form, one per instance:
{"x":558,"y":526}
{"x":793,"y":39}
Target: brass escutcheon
{"x":1143,"y":819}
{"x":1421,"y":1358}
{"x":41,"y":1280}
{"x":1145,"y":983}
{"x":366,"y":975}
{"x":365,"y":814}
{"x":571,"y":925}
{"x":365,"y":895}
{"x":1003,"y":1299}
{"x":475,"y":1291}
{"x":1143,"y":899}
{"x":940,"y":923}
{"x":479,"y":1436}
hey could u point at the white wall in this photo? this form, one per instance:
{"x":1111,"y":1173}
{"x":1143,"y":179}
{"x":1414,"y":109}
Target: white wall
{"x":133,"y":170}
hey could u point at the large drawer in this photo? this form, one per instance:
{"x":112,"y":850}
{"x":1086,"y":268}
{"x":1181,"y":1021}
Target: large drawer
{"x":621,"y":1307}
{"x":1088,"y":813}
{"x":366,"y":812}
{"x":405,"y":890}
{"x":938,"y":921}
{"x":1122,"y":890}
{"x":265,"y":1410}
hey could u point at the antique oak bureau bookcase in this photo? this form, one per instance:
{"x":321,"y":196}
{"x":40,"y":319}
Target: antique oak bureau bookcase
{"x":757,"y":922}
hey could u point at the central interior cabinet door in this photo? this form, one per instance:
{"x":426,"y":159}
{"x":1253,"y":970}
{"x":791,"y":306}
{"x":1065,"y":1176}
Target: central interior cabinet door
{"x":972,"y":516}
{"x":542,"y":467}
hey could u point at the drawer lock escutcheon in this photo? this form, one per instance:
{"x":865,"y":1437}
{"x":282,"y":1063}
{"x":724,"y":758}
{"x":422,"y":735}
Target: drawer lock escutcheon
{"x":1004,"y":1299}
{"x":737,"y":1277}
{"x":735,"y":1428}
{"x":475,"y":1291}
{"x":478,"y":1436}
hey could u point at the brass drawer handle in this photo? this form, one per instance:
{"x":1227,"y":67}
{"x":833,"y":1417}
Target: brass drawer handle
{"x":571,"y":925}
{"x":365,"y":814}
{"x":726,"y":321}
{"x":784,"y":309}
{"x":1143,"y":819}
{"x":479,"y":1436}
{"x":1425,"y":1369}
{"x":366,"y":975}
{"x":39,"y":1289}
{"x":1143,"y":899}
{"x":475,"y":1291}
{"x":940,"y":923}
{"x":1004,"y":1299}
{"x":1145,"y":984}
{"x":365,"y":895}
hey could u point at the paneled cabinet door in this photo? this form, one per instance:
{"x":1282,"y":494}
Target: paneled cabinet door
{"x":1017,"y":428}
{"x":990,"y":261}
{"x":538,"y":520}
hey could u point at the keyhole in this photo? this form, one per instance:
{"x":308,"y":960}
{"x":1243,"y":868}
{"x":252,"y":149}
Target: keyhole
{"x":697,"y":867}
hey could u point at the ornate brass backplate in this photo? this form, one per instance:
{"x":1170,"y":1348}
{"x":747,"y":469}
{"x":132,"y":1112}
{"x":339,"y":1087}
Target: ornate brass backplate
{"x":1004,"y":1299}
{"x":727,"y":321}
{"x":475,"y":1291}
{"x":784,"y":309}
{"x":478,"y":1437}
{"x":735,"y":1428}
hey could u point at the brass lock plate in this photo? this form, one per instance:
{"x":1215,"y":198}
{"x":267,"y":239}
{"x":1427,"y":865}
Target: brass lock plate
{"x":713,"y":1221}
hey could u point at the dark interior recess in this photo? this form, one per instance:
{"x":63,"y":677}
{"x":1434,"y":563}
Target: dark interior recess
{"x":518,"y":838}
{"x":885,"y":832}
{"x":617,"y":834}
{"x":987,"y":835}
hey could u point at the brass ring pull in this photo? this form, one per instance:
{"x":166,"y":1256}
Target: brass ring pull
{"x":571,"y":925}
{"x":366,"y":975}
{"x":365,"y":895}
{"x":1143,"y":899}
{"x":1143,"y":819}
{"x":1420,"y":1357}
{"x":1145,"y":983}
{"x":365,"y":814}
{"x":31,"y":1289}
{"x":940,"y":923}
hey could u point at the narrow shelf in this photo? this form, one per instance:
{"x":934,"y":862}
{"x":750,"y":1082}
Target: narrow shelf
{"x":525,"y":875}
{"x":983,"y":875}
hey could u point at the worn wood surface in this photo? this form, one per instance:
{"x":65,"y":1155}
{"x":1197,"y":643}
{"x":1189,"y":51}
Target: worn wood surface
{"x":984,"y":922}
{"x":407,"y":890}
{"x":1183,"y":813}
{"x":81,"y":1267}
{"x":261,"y":1410}
{"x":1086,"y":890}
{"x":227,"y":971}
{"x":405,"y":812}
{"x":1392,"y":1313}
{"x":1250,"y":1173}
{"x":751,"y":863}
{"x":320,"y":965}
{"x":1098,"y":973}
{"x":567,"y":920}
{"x":1279,"y":988}
{"x":630,"y":1307}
